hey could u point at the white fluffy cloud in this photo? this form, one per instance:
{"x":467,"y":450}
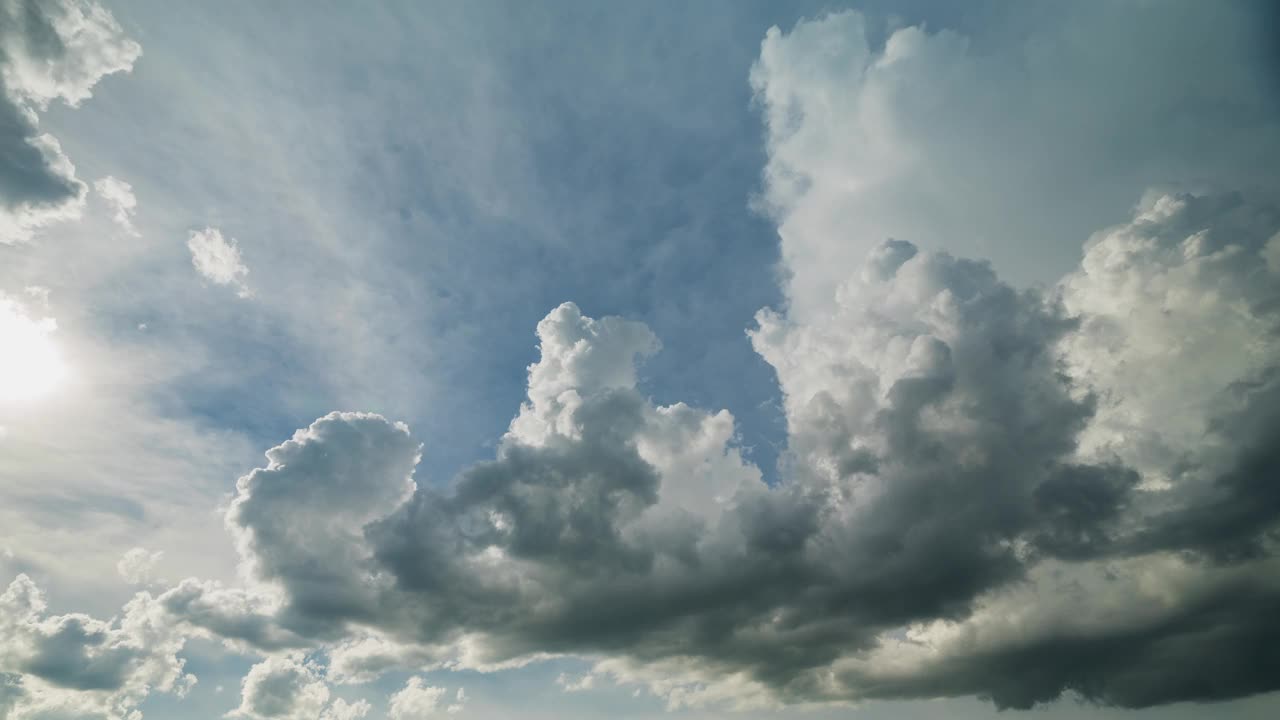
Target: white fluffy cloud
{"x":340,"y":709}
{"x":49,"y":51}
{"x":285,"y":687}
{"x":965,"y":497}
{"x":118,"y":195}
{"x":418,"y":701}
{"x":218,"y":260}
{"x":1177,"y":305}
{"x":1012,"y":145}
{"x":137,"y":565}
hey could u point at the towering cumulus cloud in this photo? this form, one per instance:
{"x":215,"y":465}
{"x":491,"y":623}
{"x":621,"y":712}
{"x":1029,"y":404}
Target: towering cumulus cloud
{"x":1013,"y":145}
{"x":987,"y":493}
{"x":50,"y":50}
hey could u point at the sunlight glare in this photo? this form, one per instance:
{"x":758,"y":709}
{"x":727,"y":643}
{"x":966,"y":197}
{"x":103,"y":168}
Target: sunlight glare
{"x":31,"y":365}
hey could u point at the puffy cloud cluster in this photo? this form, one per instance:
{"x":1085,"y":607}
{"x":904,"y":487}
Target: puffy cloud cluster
{"x":74,"y":665}
{"x":419,"y":701}
{"x":1012,"y":142}
{"x":118,"y":195}
{"x":49,"y":51}
{"x":1146,"y":558}
{"x":288,"y":688}
{"x":986,"y":491}
{"x":1180,"y":341}
{"x":964,"y":509}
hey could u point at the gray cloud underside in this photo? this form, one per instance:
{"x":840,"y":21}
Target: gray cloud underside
{"x":944,"y":469}
{"x":986,"y":491}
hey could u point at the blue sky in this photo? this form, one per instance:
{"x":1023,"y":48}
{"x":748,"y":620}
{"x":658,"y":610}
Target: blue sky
{"x":986,"y":293}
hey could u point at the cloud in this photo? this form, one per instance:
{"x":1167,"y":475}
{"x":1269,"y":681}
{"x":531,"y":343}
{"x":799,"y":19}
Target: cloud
{"x":348,"y":468}
{"x":283,"y":688}
{"x":365,"y":657}
{"x":582,"y":683}
{"x":49,"y":51}
{"x":74,"y":665}
{"x":1181,"y":344}
{"x":118,"y":194}
{"x":340,"y":709}
{"x":952,"y":456}
{"x":11,"y":692}
{"x":419,"y":700}
{"x":218,"y":259}
{"x":986,"y":491}
{"x":288,"y":688}
{"x":1012,"y":142}
{"x":235,"y":615}
{"x":136,"y":566}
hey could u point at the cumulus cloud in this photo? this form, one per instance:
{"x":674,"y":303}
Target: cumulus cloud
{"x":288,"y":688}
{"x":986,"y":491}
{"x":953,"y":456}
{"x":1012,"y":144}
{"x":74,"y":665}
{"x":49,"y":52}
{"x":340,"y":709}
{"x":118,"y":195}
{"x":218,"y":260}
{"x":979,"y":481}
{"x":136,"y":566}
{"x":1181,"y":344}
{"x":419,"y":700}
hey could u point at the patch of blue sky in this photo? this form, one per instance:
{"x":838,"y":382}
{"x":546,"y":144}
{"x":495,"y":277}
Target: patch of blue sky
{"x":484,"y":163}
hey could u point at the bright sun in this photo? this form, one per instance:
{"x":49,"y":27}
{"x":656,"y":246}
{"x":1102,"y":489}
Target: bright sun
{"x":30,"y":364}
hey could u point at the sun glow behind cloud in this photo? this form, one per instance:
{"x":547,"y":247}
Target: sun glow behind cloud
{"x":31,"y":364}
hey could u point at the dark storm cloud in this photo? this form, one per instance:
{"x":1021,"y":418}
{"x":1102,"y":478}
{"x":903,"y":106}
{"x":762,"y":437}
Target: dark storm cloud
{"x":74,"y":665}
{"x":1233,"y":517}
{"x":987,"y":491}
{"x":1225,"y":644}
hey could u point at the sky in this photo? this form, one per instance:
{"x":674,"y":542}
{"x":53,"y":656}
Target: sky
{"x":879,"y":360}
